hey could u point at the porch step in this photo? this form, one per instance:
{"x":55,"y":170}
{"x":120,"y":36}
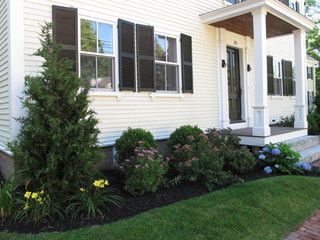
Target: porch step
{"x":310,"y":155}
{"x":304,"y":143}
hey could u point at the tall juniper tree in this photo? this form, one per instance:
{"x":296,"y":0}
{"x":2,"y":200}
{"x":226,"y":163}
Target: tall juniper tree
{"x":57,"y":145}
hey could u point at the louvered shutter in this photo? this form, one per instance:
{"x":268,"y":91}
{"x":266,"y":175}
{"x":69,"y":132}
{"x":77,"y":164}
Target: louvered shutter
{"x":286,"y":2}
{"x":145,"y":58}
{"x":65,"y":32}
{"x":187,"y":68}
{"x":270,"y":75}
{"x":297,"y":6}
{"x":127,"y":65}
{"x":287,"y":78}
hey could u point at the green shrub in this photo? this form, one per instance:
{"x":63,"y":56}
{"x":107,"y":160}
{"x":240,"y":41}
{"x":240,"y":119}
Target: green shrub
{"x":57,"y":145}
{"x":223,"y":138}
{"x":280,"y":158}
{"x":239,"y":161}
{"x":287,"y":121}
{"x":313,"y":122}
{"x":7,"y":192}
{"x":37,"y":207}
{"x":196,"y":161}
{"x":145,"y":171}
{"x":183,"y":135}
{"x":130,"y":140}
{"x":92,"y":201}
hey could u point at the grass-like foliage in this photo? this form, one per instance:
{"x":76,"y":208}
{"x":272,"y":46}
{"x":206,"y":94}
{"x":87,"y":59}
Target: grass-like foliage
{"x":93,"y":201}
{"x":7,"y":192}
{"x":57,"y":145}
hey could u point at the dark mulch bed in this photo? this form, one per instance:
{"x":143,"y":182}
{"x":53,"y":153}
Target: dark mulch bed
{"x":132,"y":205}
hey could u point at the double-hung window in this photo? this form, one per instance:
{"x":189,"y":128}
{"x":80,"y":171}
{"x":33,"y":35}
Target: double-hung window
{"x":167,"y":66}
{"x":277,"y":71}
{"x":97,"y":57}
{"x":310,"y":73}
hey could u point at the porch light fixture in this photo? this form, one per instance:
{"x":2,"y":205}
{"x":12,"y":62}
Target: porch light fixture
{"x":249,"y":68}
{"x":224,"y":64}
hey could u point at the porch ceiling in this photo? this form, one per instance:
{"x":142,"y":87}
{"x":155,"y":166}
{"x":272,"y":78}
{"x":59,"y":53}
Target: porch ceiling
{"x":281,"y":20}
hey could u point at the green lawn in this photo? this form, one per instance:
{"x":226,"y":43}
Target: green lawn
{"x":265,"y":209}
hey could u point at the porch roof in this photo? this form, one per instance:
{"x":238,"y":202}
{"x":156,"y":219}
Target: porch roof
{"x":281,"y":19}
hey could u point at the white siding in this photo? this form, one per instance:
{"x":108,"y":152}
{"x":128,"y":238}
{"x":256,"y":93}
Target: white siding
{"x":281,"y":47}
{"x":159,"y":115}
{"x":4,"y":73}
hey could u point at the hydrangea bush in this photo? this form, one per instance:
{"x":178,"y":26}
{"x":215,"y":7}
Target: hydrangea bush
{"x":280,"y":158}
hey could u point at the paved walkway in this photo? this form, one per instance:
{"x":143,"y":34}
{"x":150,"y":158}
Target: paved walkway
{"x":310,"y":230}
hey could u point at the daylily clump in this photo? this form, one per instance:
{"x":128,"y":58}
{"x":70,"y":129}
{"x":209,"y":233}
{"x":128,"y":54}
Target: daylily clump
{"x":34,"y":198}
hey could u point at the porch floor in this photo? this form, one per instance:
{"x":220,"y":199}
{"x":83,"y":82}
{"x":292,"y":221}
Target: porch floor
{"x":278,"y":134}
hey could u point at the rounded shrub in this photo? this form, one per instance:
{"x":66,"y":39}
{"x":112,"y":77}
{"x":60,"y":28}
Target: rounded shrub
{"x":239,"y":161}
{"x":130,"y":140}
{"x":184,"y":135}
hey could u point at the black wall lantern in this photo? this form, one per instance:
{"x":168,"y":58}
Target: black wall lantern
{"x":224,"y":64}
{"x":249,"y":68}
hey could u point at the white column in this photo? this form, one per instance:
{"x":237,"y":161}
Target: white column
{"x":301,"y":79}
{"x":223,"y":79}
{"x":247,"y":85}
{"x":16,"y":62}
{"x":261,"y":112}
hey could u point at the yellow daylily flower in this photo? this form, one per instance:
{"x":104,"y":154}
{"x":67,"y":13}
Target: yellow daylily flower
{"x":34,"y":195}
{"x":106,"y":182}
{"x":42,"y":192}
{"x":82,"y":189}
{"x":27,"y":195}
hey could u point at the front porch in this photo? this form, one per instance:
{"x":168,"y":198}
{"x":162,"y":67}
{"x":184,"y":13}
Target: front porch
{"x":259,"y":20}
{"x":277,"y":135}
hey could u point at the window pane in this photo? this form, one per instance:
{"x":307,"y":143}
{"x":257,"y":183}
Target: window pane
{"x":105,"y":66}
{"x":172,"y":50}
{"x":160,"y":77}
{"x":277,"y":86}
{"x":160,"y":45}
{"x":88,"y":36}
{"x":105,"y":41}
{"x":171,"y":78}
{"x":88,"y":70}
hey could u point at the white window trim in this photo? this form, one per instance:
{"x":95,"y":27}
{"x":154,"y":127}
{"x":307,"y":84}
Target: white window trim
{"x":114,"y":24}
{"x":177,"y":93}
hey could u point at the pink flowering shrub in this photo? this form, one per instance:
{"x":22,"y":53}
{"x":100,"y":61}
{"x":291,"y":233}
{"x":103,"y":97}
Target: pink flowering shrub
{"x":145,"y":171}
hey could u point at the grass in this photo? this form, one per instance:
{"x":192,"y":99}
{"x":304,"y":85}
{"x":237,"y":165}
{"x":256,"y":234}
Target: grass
{"x":265,"y":209}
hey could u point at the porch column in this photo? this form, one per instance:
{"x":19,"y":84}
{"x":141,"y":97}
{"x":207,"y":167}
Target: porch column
{"x":223,"y":79}
{"x":300,"y":77}
{"x":260,"y":109}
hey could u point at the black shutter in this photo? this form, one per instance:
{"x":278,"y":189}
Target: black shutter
{"x":286,"y":2}
{"x":287,"y":76}
{"x":145,"y":58}
{"x":187,"y":69}
{"x":297,"y":6}
{"x":127,"y":65}
{"x":65,"y":32}
{"x":270,"y":75}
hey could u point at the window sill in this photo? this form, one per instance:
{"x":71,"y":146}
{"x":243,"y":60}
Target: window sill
{"x":166,"y":95}
{"x":276,"y":97}
{"x":99,"y":93}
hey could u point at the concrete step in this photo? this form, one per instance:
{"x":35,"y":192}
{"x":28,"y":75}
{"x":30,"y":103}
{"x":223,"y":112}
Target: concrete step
{"x":304,"y":143}
{"x":310,"y":155}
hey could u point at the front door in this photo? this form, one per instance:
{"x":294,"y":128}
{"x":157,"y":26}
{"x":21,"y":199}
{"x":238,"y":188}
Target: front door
{"x":234,"y":85}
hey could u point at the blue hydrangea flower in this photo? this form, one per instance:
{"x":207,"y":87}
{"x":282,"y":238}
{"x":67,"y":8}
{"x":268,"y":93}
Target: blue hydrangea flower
{"x":262,"y":157}
{"x":276,"y":151}
{"x":267,"y":170}
{"x":306,"y":166}
{"x":266,"y":149}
